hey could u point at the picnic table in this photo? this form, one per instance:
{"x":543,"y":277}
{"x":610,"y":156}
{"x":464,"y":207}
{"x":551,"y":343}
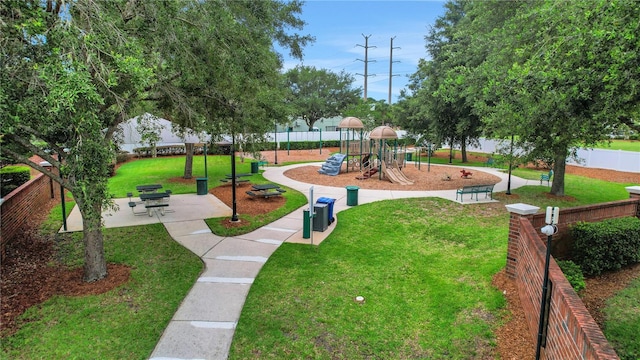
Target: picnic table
{"x":229,"y":177}
{"x":154,"y":201}
{"x":265,"y":190}
{"x":148,"y":188}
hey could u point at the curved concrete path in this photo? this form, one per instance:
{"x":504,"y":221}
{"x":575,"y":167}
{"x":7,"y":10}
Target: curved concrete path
{"x":204,"y":324}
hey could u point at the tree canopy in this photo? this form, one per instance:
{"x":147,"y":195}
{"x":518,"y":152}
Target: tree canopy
{"x":319,"y":93}
{"x":557,"y":75}
{"x":72,"y":71}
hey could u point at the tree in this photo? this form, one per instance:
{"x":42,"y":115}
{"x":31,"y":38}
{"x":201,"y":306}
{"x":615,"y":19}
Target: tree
{"x":150,"y":131}
{"x":571,"y":79}
{"x":440,"y":85}
{"x":317,"y":94}
{"x":371,"y":112}
{"x":71,"y":72}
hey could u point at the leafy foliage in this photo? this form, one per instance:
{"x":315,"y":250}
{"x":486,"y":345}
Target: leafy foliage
{"x":573,"y":273}
{"x":555,"y":75}
{"x":73,"y":71}
{"x":316,"y":94}
{"x":606,"y":245}
{"x":12,"y":177}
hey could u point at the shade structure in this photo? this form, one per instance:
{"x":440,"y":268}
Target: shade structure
{"x":383,"y":132}
{"x":350,"y":123}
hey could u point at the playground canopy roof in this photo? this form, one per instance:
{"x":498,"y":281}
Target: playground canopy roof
{"x":351,"y":123}
{"x":383,"y":132}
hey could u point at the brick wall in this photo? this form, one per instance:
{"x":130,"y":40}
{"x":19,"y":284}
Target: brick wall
{"x":17,"y":207}
{"x":572,"y":332}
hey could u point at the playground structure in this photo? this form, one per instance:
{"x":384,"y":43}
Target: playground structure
{"x":332,"y":165}
{"x":359,"y":154}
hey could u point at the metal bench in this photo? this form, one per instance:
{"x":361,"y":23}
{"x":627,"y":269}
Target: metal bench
{"x":546,"y":177}
{"x":475,"y":189}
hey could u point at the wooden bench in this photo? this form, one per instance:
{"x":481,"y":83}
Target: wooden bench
{"x":546,"y":177}
{"x":265,"y":194}
{"x":475,"y":189}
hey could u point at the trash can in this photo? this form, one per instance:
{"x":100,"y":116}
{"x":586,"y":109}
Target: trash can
{"x":321,"y":217}
{"x":201,"y":186}
{"x":255,"y":167}
{"x":306,"y":224}
{"x":329,"y":202}
{"x":408,"y":156}
{"x":352,"y":195}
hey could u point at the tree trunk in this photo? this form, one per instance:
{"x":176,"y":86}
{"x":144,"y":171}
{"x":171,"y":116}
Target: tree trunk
{"x":557,"y":185}
{"x":95,"y":265}
{"x":451,"y":152}
{"x":463,"y":150}
{"x":188,"y":162}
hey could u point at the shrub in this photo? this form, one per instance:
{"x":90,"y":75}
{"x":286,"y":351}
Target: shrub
{"x":573,"y":273}
{"x":122,"y":156}
{"x":12,"y":176}
{"x":606,"y":245}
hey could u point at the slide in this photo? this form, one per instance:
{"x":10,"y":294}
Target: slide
{"x":393,"y":176}
{"x":401,"y":174}
{"x":332,"y":165}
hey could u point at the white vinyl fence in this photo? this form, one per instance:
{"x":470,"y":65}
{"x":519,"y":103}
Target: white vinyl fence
{"x":619,"y":160}
{"x":628,"y":161}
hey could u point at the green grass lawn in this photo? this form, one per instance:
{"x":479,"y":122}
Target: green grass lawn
{"x":424,"y":267}
{"x":162,"y":170}
{"x":124,"y":323}
{"x":622,"y":324}
{"x":626,"y":145}
{"x":425,"y":276}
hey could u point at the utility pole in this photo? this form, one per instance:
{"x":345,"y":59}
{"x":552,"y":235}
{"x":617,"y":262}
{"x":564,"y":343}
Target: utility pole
{"x":391,"y":66}
{"x":366,"y":62}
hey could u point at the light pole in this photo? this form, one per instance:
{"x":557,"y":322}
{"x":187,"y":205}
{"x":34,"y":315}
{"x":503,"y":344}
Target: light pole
{"x":234,"y":216}
{"x":275,"y":142}
{"x":64,"y":207}
{"x":510,"y":166}
{"x":549,"y":230}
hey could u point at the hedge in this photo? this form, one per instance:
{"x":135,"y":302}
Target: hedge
{"x":607,"y":245}
{"x":12,"y":176}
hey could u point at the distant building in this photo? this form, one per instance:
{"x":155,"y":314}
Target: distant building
{"x":324,"y":124}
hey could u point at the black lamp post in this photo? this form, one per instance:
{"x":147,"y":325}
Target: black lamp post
{"x":545,"y":299}
{"x":64,"y":208}
{"x":275,"y":142}
{"x":234,"y":216}
{"x":510,"y":166}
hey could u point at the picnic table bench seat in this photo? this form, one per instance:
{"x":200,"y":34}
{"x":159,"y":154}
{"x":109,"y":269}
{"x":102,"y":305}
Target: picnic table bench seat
{"x":226,"y":180}
{"x":475,"y":189}
{"x":266,"y":193}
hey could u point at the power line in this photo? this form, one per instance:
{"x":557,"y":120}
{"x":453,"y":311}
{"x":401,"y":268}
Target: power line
{"x":366,"y":62}
{"x":391,"y":66}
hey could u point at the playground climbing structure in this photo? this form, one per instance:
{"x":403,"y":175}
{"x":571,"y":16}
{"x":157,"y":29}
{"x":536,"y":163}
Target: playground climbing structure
{"x":332,"y":165}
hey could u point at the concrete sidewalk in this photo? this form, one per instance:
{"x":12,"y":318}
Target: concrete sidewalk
{"x":204,"y":324}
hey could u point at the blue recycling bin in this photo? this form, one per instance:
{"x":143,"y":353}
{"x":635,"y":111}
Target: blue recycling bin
{"x":329,"y":202}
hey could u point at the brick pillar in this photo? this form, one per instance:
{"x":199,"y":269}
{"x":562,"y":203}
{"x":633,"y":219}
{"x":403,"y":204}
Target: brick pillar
{"x":516,"y":211}
{"x":634,"y":193}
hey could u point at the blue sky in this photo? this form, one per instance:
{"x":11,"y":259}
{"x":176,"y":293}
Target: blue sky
{"x":339,"y":27}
